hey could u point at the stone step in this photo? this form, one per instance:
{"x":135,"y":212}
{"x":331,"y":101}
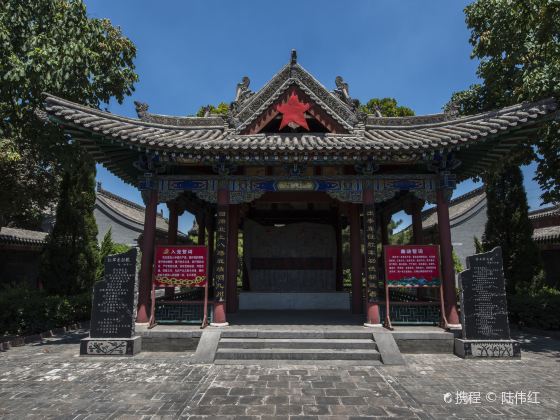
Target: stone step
{"x":297,"y":354}
{"x":297,"y":343}
{"x":298,"y":334}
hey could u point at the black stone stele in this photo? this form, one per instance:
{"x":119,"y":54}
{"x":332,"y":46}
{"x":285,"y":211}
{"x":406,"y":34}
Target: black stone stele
{"x":113,"y":309}
{"x":484,"y":313}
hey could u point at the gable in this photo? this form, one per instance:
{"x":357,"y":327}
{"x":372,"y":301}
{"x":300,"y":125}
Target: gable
{"x":294,"y":112}
{"x":249,"y":107}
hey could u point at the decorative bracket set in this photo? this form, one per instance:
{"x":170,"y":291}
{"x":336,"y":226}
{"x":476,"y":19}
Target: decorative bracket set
{"x":244,"y":189}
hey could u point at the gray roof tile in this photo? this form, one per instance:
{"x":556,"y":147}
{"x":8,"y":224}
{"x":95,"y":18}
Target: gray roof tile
{"x":15,"y":236}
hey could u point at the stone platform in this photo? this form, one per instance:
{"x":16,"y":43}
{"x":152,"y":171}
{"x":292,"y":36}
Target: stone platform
{"x":294,"y":301}
{"x":307,"y":324}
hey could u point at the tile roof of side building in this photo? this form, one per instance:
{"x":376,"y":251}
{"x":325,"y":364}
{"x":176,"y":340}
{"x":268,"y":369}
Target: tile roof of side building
{"x":128,"y":209}
{"x":457,"y":207}
{"x":22,"y":237}
{"x":475,"y":200}
{"x":547,"y":224}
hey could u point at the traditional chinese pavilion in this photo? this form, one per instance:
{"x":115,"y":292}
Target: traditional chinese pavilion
{"x":290,"y":165}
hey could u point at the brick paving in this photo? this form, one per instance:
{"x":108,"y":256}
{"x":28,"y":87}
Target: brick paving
{"x":49,"y":380}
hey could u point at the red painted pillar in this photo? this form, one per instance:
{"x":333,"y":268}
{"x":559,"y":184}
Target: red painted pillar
{"x":417,"y":233}
{"x":172,"y":229}
{"x":385,"y":219}
{"x":210,"y":218}
{"x":339,"y":285}
{"x":356,"y":253}
{"x":446,"y":249}
{"x":232,"y":259}
{"x":173,"y":223}
{"x":221,"y":261}
{"x":370,"y":269}
{"x":201,"y":237}
{"x":146,"y":266}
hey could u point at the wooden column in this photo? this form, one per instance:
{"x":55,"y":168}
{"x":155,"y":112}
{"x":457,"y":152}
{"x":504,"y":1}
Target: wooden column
{"x":210,"y":226}
{"x":415,"y":210}
{"x":232,"y":259}
{"x":146,"y":265}
{"x":356,"y":253}
{"x":201,"y":237}
{"x":385,"y":218}
{"x":172,"y":229}
{"x":338,"y":233}
{"x":173,"y":226}
{"x":220,"y":264}
{"x":446,"y":252}
{"x":370,"y":262}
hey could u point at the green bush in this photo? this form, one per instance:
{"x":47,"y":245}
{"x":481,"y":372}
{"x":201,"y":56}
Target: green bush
{"x":537,"y":310}
{"x":29,"y":311}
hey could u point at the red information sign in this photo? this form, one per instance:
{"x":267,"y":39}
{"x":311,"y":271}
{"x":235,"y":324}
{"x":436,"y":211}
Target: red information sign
{"x":178,"y":265}
{"x":412,"y":266}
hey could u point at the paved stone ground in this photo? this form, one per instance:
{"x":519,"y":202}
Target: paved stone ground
{"x":49,"y":380}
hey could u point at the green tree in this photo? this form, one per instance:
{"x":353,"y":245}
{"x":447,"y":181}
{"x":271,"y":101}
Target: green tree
{"x":108,"y":247}
{"x":50,"y":46}
{"x":387,"y":106}
{"x":71,"y":257}
{"x":457,"y":265}
{"x":477,"y":245}
{"x":518,"y":45}
{"x":221,"y":109}
{"x":508,"y":226}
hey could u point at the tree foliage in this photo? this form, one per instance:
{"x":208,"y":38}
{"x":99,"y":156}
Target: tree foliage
{"x":71,"y":257}
{"x":50,"y":46}
{"x":387,"y":106}
{"x":518,"y":45}
{"x":509,"y":227}
{"x":108,"y":247}
{"x":221,"y":109}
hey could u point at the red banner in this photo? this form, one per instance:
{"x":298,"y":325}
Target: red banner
{"x":412,"y":265}
{"x":179,"y":265}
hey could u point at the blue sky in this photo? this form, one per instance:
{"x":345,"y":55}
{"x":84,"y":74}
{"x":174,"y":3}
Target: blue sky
{"x":193,"y":53}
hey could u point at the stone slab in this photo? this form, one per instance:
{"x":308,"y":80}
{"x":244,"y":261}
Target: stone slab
{"x":294,"y":301}
{"x":487,"y":349}
{"x":484,"y":314}
{"x":387,"y":347}
{"x":207,"y":347}
{"x":110,"y":346}
{"x":113,"y":309}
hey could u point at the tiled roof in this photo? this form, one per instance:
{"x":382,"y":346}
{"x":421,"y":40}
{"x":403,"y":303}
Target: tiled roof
{"x":457,"y":207}
{"x":545,"y":212}
{"x":547,"y":234}
{"x":466,"y":202}
{"x":128,"y":209}
{"x":107,"y":136}
{"x":379,"y":137}
{"x":14,"y":236}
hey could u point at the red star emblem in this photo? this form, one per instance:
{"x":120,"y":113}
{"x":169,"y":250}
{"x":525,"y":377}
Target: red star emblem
{"x":293,"y":111}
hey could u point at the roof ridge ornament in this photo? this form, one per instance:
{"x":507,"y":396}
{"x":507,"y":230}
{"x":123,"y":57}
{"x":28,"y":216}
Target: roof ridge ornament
{"x":343,"y":92}
{"x":452,"y":109}
{"x":293,"y":58}
{"x":141,"y":109}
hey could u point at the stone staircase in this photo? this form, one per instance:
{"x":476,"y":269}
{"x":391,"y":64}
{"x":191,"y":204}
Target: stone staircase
{"x":297,"y":345}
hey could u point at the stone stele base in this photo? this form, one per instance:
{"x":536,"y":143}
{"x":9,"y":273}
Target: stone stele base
{"x":487,"y":349}
{"x":110,"y":346}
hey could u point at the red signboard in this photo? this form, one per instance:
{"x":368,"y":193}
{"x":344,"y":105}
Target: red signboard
{"x":178,"y":265}
{"x":412,"y":266}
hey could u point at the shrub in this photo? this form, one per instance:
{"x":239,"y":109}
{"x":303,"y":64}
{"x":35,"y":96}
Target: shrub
{"x":538,"y":310}
{"x":30,"y":311}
